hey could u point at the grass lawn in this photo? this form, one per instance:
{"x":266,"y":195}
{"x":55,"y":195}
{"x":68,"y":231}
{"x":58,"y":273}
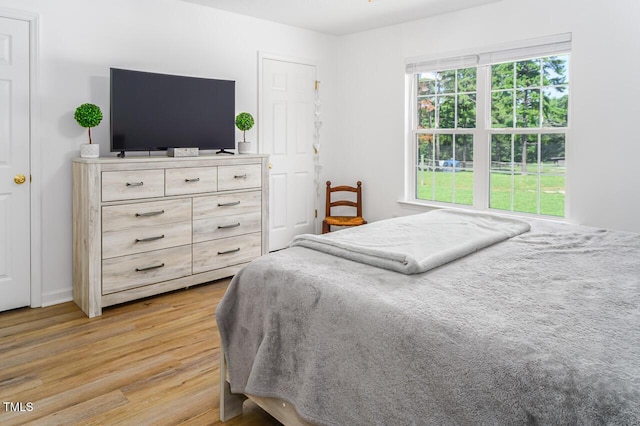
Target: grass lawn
{"x":525,"y":190}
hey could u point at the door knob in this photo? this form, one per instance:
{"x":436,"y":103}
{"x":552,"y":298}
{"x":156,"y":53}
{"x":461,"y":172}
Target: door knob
{"x":270,"y":166}
{"x":19,"y":179}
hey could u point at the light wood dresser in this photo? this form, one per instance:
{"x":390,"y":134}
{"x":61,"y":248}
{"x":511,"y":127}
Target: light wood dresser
{"x":147,"y":225}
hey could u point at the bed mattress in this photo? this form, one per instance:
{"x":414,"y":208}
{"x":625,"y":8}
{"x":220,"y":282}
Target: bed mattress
{"x":543,"y":328}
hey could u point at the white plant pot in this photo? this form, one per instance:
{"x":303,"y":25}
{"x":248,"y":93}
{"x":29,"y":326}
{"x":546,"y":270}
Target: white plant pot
{"x":246,"y":148}
{"x":89,"y":150}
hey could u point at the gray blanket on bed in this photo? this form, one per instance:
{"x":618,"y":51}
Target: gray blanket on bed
{"x":416,"y":244}
{"x":543,"y":328}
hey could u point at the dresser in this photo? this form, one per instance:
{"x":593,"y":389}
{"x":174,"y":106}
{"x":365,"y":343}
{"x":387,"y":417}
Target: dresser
{"x":148,"y":225}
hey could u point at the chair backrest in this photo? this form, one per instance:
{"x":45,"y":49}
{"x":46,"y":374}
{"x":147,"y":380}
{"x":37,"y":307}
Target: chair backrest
{"x":344,"y":188}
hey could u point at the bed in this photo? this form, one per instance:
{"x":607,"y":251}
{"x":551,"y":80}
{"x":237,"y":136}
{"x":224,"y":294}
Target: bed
{"x":540,"y":326}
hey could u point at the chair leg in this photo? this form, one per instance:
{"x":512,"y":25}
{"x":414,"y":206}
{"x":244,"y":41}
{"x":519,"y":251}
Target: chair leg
{"x":325,"y":227}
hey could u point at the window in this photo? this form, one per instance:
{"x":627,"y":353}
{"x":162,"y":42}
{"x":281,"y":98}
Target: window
{"x":446,"y":107}
{"x":490,"y":130}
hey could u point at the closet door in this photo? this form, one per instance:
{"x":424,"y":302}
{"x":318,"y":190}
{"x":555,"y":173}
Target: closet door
{"x":287,"y":128}
{"x":15,"y":237}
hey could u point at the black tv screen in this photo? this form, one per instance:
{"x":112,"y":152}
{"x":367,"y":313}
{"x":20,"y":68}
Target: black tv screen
{"x":152,"y":112}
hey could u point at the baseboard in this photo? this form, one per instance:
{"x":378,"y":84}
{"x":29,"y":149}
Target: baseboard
{"x":56,"y":297}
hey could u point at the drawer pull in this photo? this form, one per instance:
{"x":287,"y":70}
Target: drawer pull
{"x":235,"y":225}
{"x":244,"y":176}
{"x":230,"y":251}
{"x":192,"y":180}
{"x":148,"y":268}
{"x":149,"y":213}
{"x":135,"y":183}
{"x":144,"y":240}
{"x":233,"y":203}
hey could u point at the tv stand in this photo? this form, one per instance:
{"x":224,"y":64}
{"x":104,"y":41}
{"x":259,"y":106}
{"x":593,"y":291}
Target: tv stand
{"x":224,"y":151}
{"x":121,"y":155}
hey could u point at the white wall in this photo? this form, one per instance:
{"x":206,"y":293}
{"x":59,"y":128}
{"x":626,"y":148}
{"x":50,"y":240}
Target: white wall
{"x":79,"y":40}
{"x":604,"y":100}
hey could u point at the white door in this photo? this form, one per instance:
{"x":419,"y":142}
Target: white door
{"x":15,"y":281}
{"x":287,"y":129}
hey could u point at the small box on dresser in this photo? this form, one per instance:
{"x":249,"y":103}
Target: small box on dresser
{"x":147,"y":225}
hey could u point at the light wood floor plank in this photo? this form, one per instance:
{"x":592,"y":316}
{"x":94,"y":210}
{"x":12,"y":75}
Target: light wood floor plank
{"x":27,"y":315}
{"x":149,"y":362}
{"x":83,"y":412}
{"x":15,"y":385}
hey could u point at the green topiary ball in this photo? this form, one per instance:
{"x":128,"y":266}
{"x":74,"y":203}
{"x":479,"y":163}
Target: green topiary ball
{"x":244,"y":121}
{"x":88,"y":115}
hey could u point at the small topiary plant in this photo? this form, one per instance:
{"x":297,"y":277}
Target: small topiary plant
{"x":88,"y":115}
{"x":244,"y":122}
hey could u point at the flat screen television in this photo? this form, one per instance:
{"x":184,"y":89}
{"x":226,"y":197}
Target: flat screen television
{"x":154,"y":112}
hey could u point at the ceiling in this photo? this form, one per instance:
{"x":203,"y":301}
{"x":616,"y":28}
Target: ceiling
{"x":339,"y":17}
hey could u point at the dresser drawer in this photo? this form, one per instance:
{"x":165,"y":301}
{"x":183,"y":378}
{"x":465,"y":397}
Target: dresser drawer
{"x":227,"y":204}
{"x":242,"y":176}
{"x":152,"y":267}
{"x":217,"y":254}
{"x":116,"y":218}
{"x":138,"y":240}
{"x":226,"y":226}
{"x":131,"y":185}
{"x":191,"y":180}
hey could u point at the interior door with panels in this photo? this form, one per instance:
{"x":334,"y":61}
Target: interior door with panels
{"x":15,"y":209}
{"x":287,"y":127}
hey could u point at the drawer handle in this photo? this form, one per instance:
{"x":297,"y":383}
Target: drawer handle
{"x":144,"y":240}
{"x":230,"y":251}
{"x":244,"y":176}
{"x":235,"y":225}
{"x":148,"y":268}
{"x":192,"y":180}
{"x":234,"y":203}
{"x":149,"y":213}
{"x":135,"y":183}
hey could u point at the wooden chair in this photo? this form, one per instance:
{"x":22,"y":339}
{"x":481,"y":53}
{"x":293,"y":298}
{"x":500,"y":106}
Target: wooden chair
{"x":343,"y":220}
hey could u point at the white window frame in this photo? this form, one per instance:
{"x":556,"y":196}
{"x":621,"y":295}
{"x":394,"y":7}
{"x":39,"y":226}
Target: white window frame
{"x":483,"y":59}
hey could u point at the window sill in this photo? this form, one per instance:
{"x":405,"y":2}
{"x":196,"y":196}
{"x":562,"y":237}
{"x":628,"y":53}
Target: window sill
{"x":426,"y":206}
{"x":433,"y":205}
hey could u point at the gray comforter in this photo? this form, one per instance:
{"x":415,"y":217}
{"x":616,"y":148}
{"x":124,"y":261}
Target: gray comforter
{"x":418,"y":243}
{"x":543,"y":328}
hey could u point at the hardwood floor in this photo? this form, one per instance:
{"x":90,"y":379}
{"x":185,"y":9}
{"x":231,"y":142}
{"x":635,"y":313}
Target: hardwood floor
{"x":153,"y":361}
